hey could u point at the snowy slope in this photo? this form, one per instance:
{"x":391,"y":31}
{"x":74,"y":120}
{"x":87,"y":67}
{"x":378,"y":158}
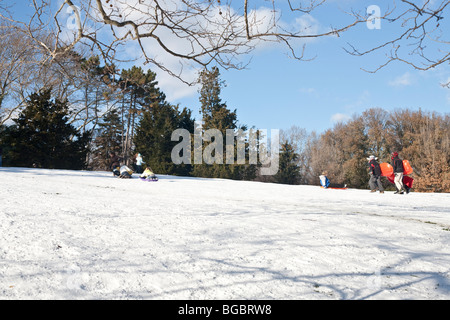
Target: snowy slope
{"x":86,"y":235}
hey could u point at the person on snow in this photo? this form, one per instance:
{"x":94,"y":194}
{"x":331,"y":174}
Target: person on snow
{"x":375,"y":175}
{"x":325,"y":182}
{"x":148,"y":175}
{"x":125,"y":172}
{"x":114,"y":163}
{"x":139,"y":163}
{"x":397,"y":164}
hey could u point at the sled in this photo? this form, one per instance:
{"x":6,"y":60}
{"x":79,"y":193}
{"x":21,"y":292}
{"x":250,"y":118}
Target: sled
{"x":149,"y":179}
{"x":343,"y":188}
{"x":386,"y":169}
{"x":407,"y":181}
{"x":407,"y":169}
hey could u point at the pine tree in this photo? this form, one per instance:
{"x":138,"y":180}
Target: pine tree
{"x":216,"y":115}
{"x":94,"y":85}
{"x":288,"y":170}
{"x":154,"y":131}
{"x":153,"y":137}
{"x":42,"y":136}
{"x":138,"y":90}
{"x":2,"y":147}
{"x":109,"y":139}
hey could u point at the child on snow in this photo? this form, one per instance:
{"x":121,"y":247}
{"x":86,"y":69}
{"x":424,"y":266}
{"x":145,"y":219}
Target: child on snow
{"x":148,"y":175}
{"x":325,"y":182}
{"x":139,"y":163}
{"x":125,"y":172}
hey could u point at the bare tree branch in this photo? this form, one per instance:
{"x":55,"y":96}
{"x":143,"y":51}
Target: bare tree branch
{"x":200,"y":33}
{"x":420,"y":42}
{"x":197,"y":32}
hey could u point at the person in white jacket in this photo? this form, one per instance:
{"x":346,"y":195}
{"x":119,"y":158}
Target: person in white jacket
{"x":125,"y":172}
{"x":325,"y":182}
{"x":139,"y":163}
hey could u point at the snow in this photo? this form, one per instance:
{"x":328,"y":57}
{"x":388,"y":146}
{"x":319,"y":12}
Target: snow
{"x":87,"y":235}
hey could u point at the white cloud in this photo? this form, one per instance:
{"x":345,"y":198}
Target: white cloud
{"x":339,"y":117}
{"x":402,"y":81}
{"x":262,"y":20}
{"x":307,"y":24}
{"x":173,"y":88}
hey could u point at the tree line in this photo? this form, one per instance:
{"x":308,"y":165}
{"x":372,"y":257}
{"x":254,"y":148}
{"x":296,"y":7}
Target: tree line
{"x":81,"y":111}
{"x":421,"y":137}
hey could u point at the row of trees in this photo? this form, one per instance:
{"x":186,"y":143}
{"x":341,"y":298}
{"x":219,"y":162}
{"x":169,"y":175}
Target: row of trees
{"x":124,"y":111}
{"x":129,"y":113}
{"x":125,"y":115}
{"x":421,"y":137}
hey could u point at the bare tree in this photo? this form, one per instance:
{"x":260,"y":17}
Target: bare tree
{"x":15,"y":71}
{"x":204,"y":32}
{"x":23,"y":72}
{"x":196,"y":32}
{"x":175,"y":35}
{"x":420,"y":36}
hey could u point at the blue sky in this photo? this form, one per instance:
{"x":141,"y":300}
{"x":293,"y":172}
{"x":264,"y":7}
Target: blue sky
{"x":276,"y":92}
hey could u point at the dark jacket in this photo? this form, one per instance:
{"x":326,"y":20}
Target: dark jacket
{"x":375,"y":167}
{"x":397,"y":164}
{"x":115,"y":161}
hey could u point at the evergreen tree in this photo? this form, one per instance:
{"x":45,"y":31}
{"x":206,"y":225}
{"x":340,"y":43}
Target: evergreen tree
{"x":153,"y":137}
{"x":42,"y":137}
{"x":138,"y":90}
{"x":216,"y":115}
{"x":288,"y":170}
{"x":154,"y":131}
{"x":109,"y":139}
{"x":93,"y":82}
{"x":95,"y":87}
{"x":2,"y":147}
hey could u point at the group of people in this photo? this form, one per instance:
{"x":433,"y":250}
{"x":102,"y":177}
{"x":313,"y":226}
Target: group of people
{"x":118,"y":169}
{"x":375,"y":176}
{"x":124,"y":172}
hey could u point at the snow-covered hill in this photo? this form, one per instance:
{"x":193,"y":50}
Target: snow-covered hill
{"x":87,"y":235}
